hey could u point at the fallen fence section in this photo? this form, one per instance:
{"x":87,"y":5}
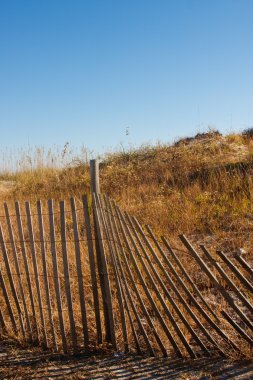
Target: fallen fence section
{"x":82,"y":274}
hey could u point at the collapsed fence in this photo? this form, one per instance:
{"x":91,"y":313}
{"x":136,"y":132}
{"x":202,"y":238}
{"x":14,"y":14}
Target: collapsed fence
{"x":82,"y":274}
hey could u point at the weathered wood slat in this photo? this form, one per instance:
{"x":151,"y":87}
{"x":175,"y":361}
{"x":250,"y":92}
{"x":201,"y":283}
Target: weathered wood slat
{"x":67,"y":276}
{"x":101,"y":274}
{"x":11,"y":282}
{"x":127,"y":288}
{"x":227,"y":279}
{"x":92,"y":268}
{"x":106,"y":292}
{"x":184,"y":272}
{"x":194,"y":301}
{"x":171,"y":300}
{"x":56,"y":275}
{"x":16,"y":263}
{"x":172,"y":283}
{"x":236,"y":271}
{"x":115,"y":238}
{"x":106,"y":221}
{"x":237,"y":327}
{"x":3,"y":328}
{"x":212,"y":277}
{"x":245,"y":265}
{"x":7,"y":302}
{"x":145,"y":311}
{"x":99,"y":246}
{"x":45,"y":273}
{"x":27,"y":269}
{"x":214,"y":280}
{"x":35,"y":270}
{"x":79,"y":273}
{"x":159,"y":296}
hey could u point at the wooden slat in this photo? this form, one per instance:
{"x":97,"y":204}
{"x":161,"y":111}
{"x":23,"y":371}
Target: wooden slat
{"x":227,"y":279}
{"x":171,"y":282}
{"x":79,"y":273}
{"x":236,"y":271}
{"x":66,"y":276}
{"x":35,"y":270}
{"x":145,"y":311}
{"x":2,"y":323}
{"x":16,"y":263}
{"x":108,"y":315}
{"x":237,"y":328}
{"x":101,"y":273}
{"x":171,"y":300}
{"x":195,"y":302}
{"x":214,"y":280}
{"x":56,"y":275}
{"x":106,"y":293}
{"x":7,"y":302}
{"x":115,"y":237}
{"x":245,"y":265}
{"x":138,"y":349}
{"x":174,"y":287}
{"x":11,"y":282}
{"x":45,"y":273}
{"x":184,"y":302}
{"x":159,"y":295}
{"x":126,"y":286}
{"x":106,"y":222}
{"x":27,"y":270}
{"x":92,"y":268}
{"x":184,"y":272}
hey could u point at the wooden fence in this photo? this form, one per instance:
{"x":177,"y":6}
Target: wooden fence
{"x":82,"y":274}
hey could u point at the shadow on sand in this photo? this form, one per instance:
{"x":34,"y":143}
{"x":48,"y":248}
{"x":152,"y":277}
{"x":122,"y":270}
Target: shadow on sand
{"x":34,"y":364}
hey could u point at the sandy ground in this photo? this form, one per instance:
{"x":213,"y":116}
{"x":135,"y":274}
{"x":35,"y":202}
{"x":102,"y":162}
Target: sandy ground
{"x":28,"y":364}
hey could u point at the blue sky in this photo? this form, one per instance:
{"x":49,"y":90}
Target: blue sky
{"x":84,"y":70}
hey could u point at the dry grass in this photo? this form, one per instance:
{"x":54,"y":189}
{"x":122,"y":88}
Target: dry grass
{"x":200,"y":187}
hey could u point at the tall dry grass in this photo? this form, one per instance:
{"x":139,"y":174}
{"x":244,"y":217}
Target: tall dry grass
{"x":201,"y":187}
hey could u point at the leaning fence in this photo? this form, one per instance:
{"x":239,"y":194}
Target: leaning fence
{"x":82,"y":274}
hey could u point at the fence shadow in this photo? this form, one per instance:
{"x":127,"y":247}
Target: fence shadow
{"x":31,"y":364}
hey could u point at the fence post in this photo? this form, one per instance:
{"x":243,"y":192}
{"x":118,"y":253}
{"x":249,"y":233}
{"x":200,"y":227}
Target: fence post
{"x":94,"y":177}
{"x":100,"y":253}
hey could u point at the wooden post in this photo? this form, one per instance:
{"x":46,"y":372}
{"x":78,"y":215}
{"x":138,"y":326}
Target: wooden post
{"x":100,"y":253}
{"x":94,"y":177}
{"x":92,"y":268}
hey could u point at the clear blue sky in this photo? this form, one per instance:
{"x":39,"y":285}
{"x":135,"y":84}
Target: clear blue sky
{"x":84,"y":70}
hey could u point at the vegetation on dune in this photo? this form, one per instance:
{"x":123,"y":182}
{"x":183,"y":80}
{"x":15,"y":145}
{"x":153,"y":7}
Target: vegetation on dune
{"x":200,"y":186}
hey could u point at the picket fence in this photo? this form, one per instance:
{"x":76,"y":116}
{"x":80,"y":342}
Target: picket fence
{"x":83,"y":275}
